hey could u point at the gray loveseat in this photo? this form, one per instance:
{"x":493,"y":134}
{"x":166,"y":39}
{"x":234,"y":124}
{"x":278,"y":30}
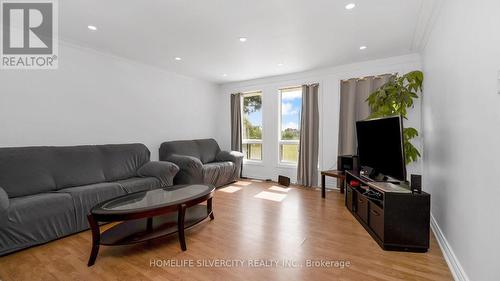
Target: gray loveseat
{"x":46,"y":192}
{"x":202,"y":161}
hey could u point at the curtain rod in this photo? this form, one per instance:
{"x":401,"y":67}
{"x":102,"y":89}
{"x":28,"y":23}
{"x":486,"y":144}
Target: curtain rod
{"x":280,"y":89}
{"x":297,"y":86}
{"x":366,"y":77}
{"x":290,"y":87}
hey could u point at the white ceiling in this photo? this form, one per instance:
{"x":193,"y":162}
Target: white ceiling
{"x":300,"y":34}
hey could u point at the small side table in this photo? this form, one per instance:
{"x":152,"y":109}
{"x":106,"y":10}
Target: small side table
{"x":340,"y":175}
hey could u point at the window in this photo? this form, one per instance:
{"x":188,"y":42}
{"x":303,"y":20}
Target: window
{"x":252,"y":125}
{"x":290,"y":107}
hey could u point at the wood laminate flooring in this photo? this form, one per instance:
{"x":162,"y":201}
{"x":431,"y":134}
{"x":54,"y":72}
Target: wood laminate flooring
{"x":256,"y":225}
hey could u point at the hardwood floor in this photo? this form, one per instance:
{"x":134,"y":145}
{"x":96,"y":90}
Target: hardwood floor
{"x":246,"y":229}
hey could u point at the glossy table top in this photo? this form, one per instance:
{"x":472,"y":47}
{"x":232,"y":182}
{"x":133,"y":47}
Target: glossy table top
{"x":152,"y":199}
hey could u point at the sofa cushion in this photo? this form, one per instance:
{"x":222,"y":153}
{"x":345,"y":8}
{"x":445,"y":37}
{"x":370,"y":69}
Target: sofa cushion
{"x":182,"y":147}
{"x":36,"y":219}
{"x":24,"y":171}
{"x":139,"y":184}
{"x":218,"y":173}
{"x":121,"y":161}
{"x":204,"y":149}
{"x":208,"y":150}
{"x":76,"y":165}
{"x":87,"y":196}
{"x":32,"y":170}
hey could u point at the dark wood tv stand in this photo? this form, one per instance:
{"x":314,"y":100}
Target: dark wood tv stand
{"x":399,"y":221}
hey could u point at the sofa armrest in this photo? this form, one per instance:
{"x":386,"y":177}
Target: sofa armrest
{"x":185,"y":162}
{"x":162,"y":170}
{"x":233,"y":156}
{"x":4,"y":205}
{"x":191,"y":169}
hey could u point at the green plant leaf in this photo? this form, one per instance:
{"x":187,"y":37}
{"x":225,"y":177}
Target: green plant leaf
{"x":394,"y":98}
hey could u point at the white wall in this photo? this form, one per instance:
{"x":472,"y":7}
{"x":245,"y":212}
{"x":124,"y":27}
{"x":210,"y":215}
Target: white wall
{"x":329,"y":80}
{"x":461,"y":118}
{"x":96,"y":98}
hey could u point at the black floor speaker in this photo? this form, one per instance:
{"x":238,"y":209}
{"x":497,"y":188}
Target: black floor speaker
{"x":416,"y":183}
{"x":347,"y":163}
{"x":284,"y":180}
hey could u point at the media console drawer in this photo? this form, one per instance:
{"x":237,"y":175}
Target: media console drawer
{"x":349,"y":199}
{"x":362,"y":207}
{"x":376,"y":220}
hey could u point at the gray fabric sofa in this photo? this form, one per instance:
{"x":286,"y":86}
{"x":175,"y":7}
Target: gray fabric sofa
{"x":202,"y":161}
{"x":46,"y":192}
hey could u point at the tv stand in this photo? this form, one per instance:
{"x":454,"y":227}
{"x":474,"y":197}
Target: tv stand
{"x":396,"y":218}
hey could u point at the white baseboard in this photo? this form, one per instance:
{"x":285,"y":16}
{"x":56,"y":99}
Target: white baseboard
{"x":456,"y":268}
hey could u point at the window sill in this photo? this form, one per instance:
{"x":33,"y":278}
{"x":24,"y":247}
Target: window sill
{"x":253,"y":162}
{"x":287,"y":165}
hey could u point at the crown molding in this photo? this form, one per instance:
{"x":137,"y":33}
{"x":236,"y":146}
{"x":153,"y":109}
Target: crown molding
{"x":428,"y":14}
{"x":345,"y":71}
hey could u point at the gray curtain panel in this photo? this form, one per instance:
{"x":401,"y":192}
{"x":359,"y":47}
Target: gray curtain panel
{"x":307,"y":170}
{"x":354,"y":107}
{"x":236,"y":122}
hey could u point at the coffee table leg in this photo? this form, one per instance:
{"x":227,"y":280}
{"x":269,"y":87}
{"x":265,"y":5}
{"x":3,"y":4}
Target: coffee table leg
{"x":209,"y":209}
{"x":323,"y":187}
{"x":149,"y":225}
{"x":180,"y":225}
{"x":96,"y":239}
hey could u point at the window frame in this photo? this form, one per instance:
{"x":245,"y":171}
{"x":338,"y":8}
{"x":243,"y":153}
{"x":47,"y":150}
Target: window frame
{"x":280,"y":123}
{"x":252,"y":141}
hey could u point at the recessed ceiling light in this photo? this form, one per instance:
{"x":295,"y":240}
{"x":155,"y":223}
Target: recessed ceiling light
{"x":243,"y":39}
{"x":280,"y":64}
{"x":350,"y":6}
{"x":92,"y":27}
{"x":224,"y":75}
{"x":362,"y":47}
{"x":177,"y":58}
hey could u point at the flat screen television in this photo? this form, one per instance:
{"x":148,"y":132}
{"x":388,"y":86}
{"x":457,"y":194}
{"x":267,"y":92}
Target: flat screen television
{"x":380,"y":147}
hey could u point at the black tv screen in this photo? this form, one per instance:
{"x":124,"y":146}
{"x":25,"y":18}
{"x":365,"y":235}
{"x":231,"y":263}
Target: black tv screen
{"x":380,"y":146}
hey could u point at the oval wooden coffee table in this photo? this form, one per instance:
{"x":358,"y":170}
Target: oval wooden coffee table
{"x":150,"y":214}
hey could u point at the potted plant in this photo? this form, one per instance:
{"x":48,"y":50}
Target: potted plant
{"x":394,"y":98}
